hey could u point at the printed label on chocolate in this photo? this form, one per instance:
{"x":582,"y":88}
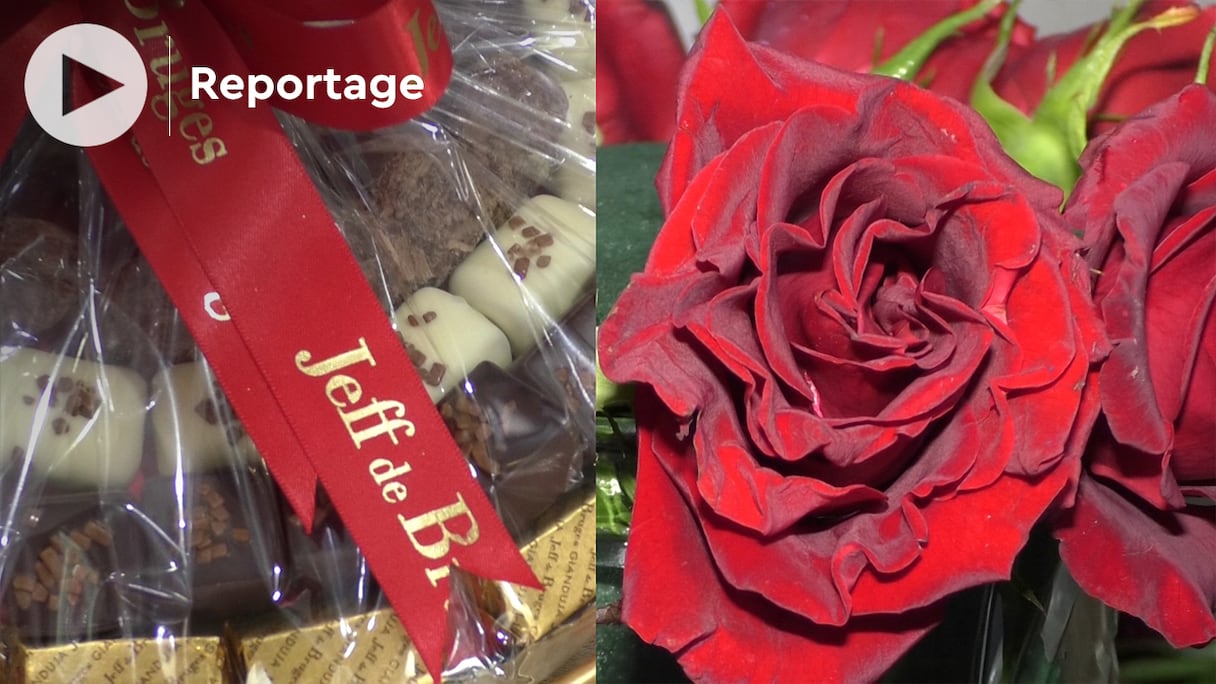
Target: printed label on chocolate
{"x":429,"y":533}
{"x":197,"y":660}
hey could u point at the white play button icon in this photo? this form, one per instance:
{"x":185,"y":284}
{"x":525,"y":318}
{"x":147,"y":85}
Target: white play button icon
{"x":97,"y":49}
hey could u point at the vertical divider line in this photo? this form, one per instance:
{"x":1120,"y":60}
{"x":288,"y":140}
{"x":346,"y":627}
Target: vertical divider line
{"x":169,"y":61}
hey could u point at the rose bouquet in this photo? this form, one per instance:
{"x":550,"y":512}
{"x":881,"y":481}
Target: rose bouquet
{"x":925,"y":339}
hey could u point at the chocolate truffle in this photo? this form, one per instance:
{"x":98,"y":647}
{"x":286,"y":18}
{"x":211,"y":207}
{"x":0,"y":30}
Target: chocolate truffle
{"x":39,"y":282}
{"x":66,"y":575}
{"x":227,"y":527}
{"x":438,"y":194}
{"x":138,"y":313}
{"x":510,"y":113}
{"x":424,"y":228}
{"x":193,"y":426}
{"x":79,"y":423}
{"x":516,"y":436}
{"x":446,"y":338}
{"x":549,"y":251}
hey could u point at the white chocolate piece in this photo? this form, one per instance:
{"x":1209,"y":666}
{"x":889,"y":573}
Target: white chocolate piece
{"x":533,"y":271}
{"x":193,"y":427}
{"x":446,"y":339}
{"x":553,"y":11}
{"x":78,"y":423}
{"x":575,"y":49}
{"x":566,"y":40}
{"x":576,"y":182}
{"x":575,"y":178}
{"x":579,"y":134}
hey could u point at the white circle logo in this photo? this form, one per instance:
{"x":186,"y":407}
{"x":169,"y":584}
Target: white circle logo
{"x":93,"y":48}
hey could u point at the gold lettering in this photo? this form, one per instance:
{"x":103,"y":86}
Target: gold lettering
{"x":163,"y":69}
{"x":149,"y":12}
{"x":394,"y":492}
{"x":419,"y":42}
{"x":201,"y":123}
{"x":211,"y":149}
{"x":385,"y":426}
{"x":435,"y":575}
{"x":143,"y":35}
{"x":343,"y":360}
{"x":432,"y":32}
{"x":383,"y":469}
{"x":349,"y":386}
{"x":439,"y":518}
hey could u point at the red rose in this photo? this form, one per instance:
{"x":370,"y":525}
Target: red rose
{"x":640,"y":53}
{"x":1142,"y":536}
{"x":638,"y":61}
{"x":862,"y":337}
{"x":1152,"y":66}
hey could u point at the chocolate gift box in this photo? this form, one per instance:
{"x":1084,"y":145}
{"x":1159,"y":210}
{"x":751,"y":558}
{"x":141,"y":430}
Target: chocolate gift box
{"x":144,"y":526}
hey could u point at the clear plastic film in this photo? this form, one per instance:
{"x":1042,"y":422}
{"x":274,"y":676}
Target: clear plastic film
{"x":142,"y":537}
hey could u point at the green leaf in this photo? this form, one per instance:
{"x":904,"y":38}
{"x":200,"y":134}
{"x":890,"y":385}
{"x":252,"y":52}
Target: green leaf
{"x":615,"y":473}
{"x":628,"y":216}
{"x":612,"y":512}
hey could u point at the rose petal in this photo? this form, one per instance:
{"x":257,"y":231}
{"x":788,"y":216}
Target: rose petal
{"x":973,"y":539}
{"x":1180,"y":332}
{"x":640,"y":342}
{"x":1156,"y":566}
{"x":711,"y":115}
{"x":722,"y":634}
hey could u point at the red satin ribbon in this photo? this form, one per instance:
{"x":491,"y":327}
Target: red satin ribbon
{"x":308,"y":358}
{"x":396,"y":38}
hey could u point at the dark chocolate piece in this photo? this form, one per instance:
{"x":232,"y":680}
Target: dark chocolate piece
{"x":228,"y":526}
{"x":563,"y":367}
{"x":67,"y":570}
{"x":524,"y":442}
{"x":430,"y":221}
{"x":425,"y":227}
{"x":39,"y":281}
{"x":328,"y":565}
{"x":139,"y":320}
{"x":513,"y":146}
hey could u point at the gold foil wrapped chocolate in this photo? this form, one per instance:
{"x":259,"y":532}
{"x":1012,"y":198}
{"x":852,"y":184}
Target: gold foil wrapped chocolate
{"x":563,"y":558}
{"x":191,"y":660}
{"x":373,"y":646}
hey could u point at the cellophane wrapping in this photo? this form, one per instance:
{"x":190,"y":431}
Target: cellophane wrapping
{"x":141,"y":535}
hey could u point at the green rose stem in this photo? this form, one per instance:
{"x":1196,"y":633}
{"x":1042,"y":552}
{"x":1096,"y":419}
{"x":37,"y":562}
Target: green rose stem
{"x":1205,"y":57}
{"x":1049,"y":143}
{"x":908,"y":62}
